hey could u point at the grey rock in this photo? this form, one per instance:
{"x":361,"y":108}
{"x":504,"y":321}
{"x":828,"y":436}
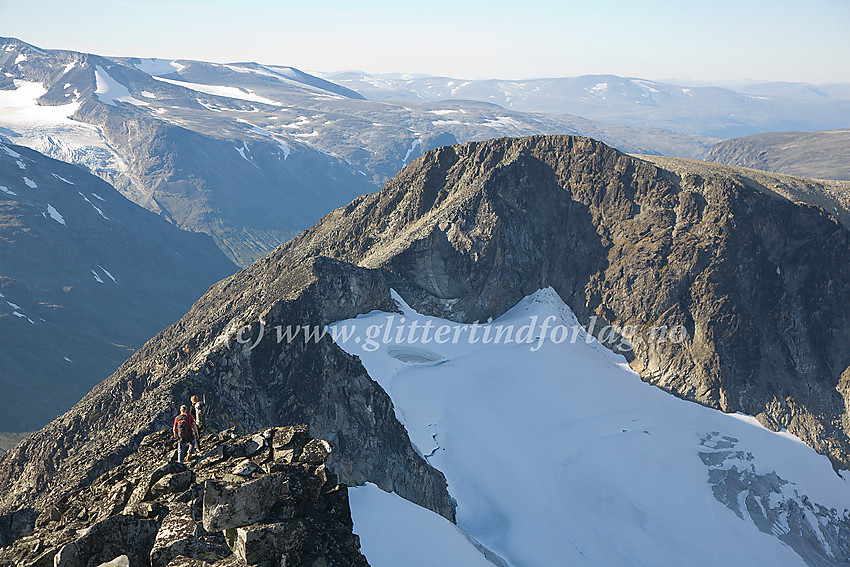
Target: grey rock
{"x":245,"y":468}
{"x":122,"y":561}
{"x":114,"y":536}
{"x":272,"y":544}
{"x":68,"y":556}
{"x":786,"y":515}
{"x":176,"y":536}
{"x":231,"y":506}
{"x":256,"y":443}
{"x":188,"y":562}
{"x":175,"y":482}
{"x":316,"y":452}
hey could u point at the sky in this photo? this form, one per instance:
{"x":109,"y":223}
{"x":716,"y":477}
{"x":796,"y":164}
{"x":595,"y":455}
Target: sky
{"x":718,"y":40}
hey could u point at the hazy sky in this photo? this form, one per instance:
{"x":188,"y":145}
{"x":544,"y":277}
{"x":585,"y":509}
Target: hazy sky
{"x":656,"y":39}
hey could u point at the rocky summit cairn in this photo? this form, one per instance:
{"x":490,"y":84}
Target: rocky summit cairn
{"x":263,"y":499}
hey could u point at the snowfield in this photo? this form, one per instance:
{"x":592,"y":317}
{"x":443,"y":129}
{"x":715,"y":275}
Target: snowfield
{"x":563,"y":456}
{"x":52,"y":131}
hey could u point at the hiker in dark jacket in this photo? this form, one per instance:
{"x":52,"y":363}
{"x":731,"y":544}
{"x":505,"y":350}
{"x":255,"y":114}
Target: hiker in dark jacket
{"x":186,"y":432}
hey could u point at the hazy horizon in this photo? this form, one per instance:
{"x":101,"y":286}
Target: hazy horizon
{"x":725,"y":41}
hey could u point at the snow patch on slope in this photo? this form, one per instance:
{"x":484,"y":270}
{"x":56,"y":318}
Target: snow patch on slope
{"x":396,"y":532}
{"x":54,"y":214}
{"x":220,"y":90}
{"x":410,"y":150}
{"x":51,"y":131}
{"x":111,"y":91}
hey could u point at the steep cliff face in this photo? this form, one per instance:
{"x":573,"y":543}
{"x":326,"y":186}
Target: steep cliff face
{"x":756,"y":285}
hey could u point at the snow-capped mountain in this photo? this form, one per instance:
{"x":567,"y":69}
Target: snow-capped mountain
{"x":558,"y":454}
{"x":702,"y":110}
{"x":250,"y":154}
{"x":86,"y":277}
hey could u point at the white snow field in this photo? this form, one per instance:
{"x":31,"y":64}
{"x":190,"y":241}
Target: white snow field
{"x":52,"y":131}
{"x":395,"y":532}
{"x":561,"y":455}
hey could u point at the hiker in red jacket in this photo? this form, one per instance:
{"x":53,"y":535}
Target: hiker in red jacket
{"x":186,"y":432}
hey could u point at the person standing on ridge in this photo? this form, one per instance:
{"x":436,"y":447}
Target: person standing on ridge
{"x":185,"y":431}
{"x":197,"y":411}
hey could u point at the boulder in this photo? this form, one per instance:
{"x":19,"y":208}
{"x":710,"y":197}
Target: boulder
{"x":18,"y":524}
{"x":122,"y":561}
{"x":245,"y":468}
{"x":177,"y":482}
{"x":188,"y":562}
{"x":114,"y":536}
{"x":232,"y":506}
{"x":315,"y":452}
{"x":176,"y":536}
{"x":256,"y":443}
{"x":277,"y":544}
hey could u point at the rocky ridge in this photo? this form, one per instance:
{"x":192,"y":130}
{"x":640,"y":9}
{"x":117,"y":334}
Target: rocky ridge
{"x":261,"y":499}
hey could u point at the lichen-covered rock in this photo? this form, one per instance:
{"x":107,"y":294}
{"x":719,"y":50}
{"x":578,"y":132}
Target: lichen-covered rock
{"x":316,"y":452}
{"x":232,"y":505}
{"x":191,"y":516}
{"x":266,"y":543}
{"x":177,"y":536}
{"x":122,"y":561}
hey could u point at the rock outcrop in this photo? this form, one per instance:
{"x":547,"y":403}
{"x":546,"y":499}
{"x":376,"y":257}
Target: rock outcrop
{"x":286,"y":507}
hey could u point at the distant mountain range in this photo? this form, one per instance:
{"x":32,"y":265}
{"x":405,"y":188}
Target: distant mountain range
{"x":824,"y":154}
{"x":86,"y":277}
{"x":250,"y":154}
{"x":699,"y":110}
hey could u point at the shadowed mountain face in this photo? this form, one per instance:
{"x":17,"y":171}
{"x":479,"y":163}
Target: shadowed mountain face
{"x":758,"y":283}
{"x":250,"y":154}
{"x":822,"y":155}
{"x":86,"y":277}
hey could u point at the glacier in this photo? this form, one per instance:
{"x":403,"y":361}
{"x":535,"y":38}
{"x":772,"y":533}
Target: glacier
{"x":563,"y":455}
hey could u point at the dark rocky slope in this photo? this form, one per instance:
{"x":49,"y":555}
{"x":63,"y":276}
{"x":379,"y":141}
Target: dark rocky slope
{"x":820,"y":154}
{"x":263,"y":499}
{"x":759,"y":283}
{"x":86,"y":277}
